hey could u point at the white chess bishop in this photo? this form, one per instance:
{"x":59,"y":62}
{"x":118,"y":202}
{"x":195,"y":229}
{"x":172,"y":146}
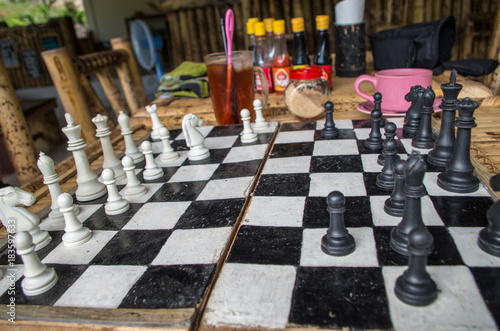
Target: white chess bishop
{"x":194,"y":139}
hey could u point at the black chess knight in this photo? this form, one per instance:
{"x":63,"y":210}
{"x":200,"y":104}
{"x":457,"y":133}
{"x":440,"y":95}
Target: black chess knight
{"x":413,"y":114}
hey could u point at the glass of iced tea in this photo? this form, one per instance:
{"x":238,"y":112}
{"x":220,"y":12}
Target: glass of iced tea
{"x":228,"y":102}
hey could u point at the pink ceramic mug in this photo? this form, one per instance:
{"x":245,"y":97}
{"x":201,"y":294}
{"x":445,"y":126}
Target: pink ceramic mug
{"x":394,"y":84}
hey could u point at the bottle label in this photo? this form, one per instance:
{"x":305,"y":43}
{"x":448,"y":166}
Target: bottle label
{"x":281,"y":78}
{"x":258,"y":82}
{"x":327,"y":73}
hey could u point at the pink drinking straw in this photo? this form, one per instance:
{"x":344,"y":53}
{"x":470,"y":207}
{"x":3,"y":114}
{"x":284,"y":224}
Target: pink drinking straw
{"x":229,"y":39}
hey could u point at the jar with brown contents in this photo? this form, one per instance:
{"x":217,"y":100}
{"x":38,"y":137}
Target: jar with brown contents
{"x":307,"y":92}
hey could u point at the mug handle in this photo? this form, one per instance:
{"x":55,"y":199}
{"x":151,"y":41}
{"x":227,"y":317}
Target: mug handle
{"x":364,"y":78}
{"x":265,"y":86}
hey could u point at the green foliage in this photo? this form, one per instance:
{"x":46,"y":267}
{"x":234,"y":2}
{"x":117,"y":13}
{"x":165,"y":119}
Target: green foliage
{"x":22,"y":12}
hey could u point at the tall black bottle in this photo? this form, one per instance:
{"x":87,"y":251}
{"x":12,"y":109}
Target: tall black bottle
{"x":323,"y":55}
{"x":300,"y":54}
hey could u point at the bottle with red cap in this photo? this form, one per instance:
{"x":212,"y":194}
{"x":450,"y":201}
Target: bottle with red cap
{"x":262,"y":57}
{"x":281,"y":62}
{"x":323,"y":56}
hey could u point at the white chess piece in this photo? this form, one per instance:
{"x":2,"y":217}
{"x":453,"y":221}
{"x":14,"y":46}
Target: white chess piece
{"x":130,"y":147}
{"x":194,"y":139}
{"x":89,"y":188}
{"x":134,"y":188}
{"x":151,"y":170}
{"x":115,"y":204}
{"x":155,"y":120}
{"x":260,"y":121}
{"x":111,"y":161}
{"x":247,"y":136}
{"x":167,"y":154}
{"x":12,"y":214}
{"x":76,"y":234}
{"x":38,"y":278}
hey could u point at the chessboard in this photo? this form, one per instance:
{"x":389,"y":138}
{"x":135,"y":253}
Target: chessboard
{"x":277,"y":276}
{"x":153,"y":265}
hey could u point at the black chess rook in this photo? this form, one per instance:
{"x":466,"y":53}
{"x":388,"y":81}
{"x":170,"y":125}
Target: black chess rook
{"x":329,"y":131}
{"x":443,"y":147}
{"x":416,"y":287}
{"x":337,"y":241}
{"x":413,"y":115}
{"x":459,"y":174}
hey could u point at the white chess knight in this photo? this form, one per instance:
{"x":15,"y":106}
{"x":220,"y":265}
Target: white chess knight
{"x":194,"y":139}
{"x":155,"y":121}
{"x":17,"y":219}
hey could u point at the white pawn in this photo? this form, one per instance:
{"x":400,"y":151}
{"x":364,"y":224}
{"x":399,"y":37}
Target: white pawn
{"x":130,"y":147}
{"x":260,"y":121}
{"x":38,"y":278}
{"x":155,"y":120}
{"x":247,"y":135}
{"x":167,"y":153}
{"x":116,"y":204}
{"x":134,"y":188}
{"x":76,"y":234}
{"x":151,"y":171}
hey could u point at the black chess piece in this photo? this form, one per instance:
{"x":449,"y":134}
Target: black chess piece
{"x":329,"y":131}
{"x":375,"y":141}
{"x":385,"y":179}
{"x":424,"y":138}
{"x":413,"y":191}
{"x":337,"y":241}
{"x":489,"y":237}
{"x":415,"y":286}
{"x":459,"y":174}
{"x":413,"y":115}
{"x":443,"y":148}
{"x":390,"y":133}
{"x":395,"y":204}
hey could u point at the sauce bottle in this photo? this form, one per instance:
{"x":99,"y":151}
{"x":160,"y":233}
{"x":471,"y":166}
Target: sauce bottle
{"x":281,"y":61}
{"x":323,"y":56}
{"x":300,"y":56}
{"x":251,"y":34}
{"x":262,"y":57}
{"x":268,"y":24}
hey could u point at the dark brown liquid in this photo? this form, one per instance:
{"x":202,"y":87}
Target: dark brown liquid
{"x":241,"y":93}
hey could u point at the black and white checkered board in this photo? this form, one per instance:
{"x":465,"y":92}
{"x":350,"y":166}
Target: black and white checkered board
{"x":276,"y":275}
{"x":162,"y":253}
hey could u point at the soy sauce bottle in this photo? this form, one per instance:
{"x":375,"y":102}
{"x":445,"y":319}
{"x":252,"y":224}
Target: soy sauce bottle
{"x":300,"y":55}
{"x":323,"y":56}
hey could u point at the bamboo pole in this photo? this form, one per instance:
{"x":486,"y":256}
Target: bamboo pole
{"x":16,"y":132}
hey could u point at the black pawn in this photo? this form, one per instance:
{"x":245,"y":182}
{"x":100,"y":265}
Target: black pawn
{"x":395,"y":205}
{"x":459,"y":174}
{"x":390,"y":133}
{"x":329,"y":131}
{"x":443,"y":148}
{"x":413,"y":115}
{"x":413,"y":191}
{"x":375,"y":140}
{"x":415,"y":286}
{"x":489,"y":237}
{"x":424,"y":138}
{"x":385,"y":179}
{"x":337,"y":241}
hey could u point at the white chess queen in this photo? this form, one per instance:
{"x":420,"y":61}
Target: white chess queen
{"x":194,"y":139}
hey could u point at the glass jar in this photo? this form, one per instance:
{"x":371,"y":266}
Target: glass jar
{"x":307,"y":92}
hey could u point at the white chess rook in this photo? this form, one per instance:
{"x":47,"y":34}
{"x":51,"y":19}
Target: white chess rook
{"x":38,"y":278}
{"x":76,"y":234}
{"x":194,"y":139}
{"x":167,"y":154}
{"x":111,"y":161}
{"x":247,"y":136}
{"x":130,"y":146}
{"x":50,"y":178}
{"x":260,"y":121}
{"x":116,"y":204}
{"x":134,"y":188}
{"x":151,"y":171}
{"x":89,"y":188}
{"x":155,"y":121}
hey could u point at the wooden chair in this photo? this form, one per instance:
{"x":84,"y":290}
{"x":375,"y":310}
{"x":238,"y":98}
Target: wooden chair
{"x":77,"y":95}
{"x":15,"y":131}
